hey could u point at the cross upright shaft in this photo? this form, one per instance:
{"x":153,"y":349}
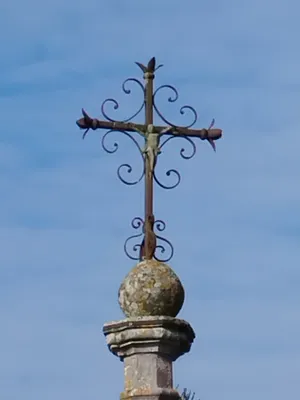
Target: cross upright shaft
{"x":152,"y":135}
{"x":149,"y":243}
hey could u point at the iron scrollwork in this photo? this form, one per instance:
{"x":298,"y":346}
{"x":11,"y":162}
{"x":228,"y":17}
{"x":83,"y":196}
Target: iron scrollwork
{"x":116,"y":104}
{"x":123,"y":167}
{"x":126,"y":166}
{"x":183,"y":155}
{"x":172,"y":99}
{"x":133,"y":251}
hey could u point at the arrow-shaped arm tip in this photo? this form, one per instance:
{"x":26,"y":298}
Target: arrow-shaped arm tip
{"x":85,"y":122}
{"x":81,"y":123}
{"x":212,"y":135}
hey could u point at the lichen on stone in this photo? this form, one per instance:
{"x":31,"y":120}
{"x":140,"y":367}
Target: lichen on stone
{"x":151,"y":288}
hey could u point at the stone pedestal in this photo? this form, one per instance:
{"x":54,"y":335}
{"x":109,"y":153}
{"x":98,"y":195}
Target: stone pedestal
{"x":150,"y":338}
{"x":148,"y":346}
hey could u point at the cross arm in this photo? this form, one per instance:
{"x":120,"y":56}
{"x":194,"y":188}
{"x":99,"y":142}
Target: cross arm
{"x":86,"y":122}
{"x":204,"y":134}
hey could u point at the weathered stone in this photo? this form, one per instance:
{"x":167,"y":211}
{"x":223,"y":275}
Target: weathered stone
{"x":148,"y":346}
{"x":151,"y":288}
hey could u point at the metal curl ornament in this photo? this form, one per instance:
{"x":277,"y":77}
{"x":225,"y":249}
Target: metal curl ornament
{"x":133,"y":251}
{"x":162,"y":250}
{"x":160,"y":225}
{"x":174,"y":171}
{"x":136,"y":223}
{"x":128,"y":167}
{"x":183,"y":150}
{"x":173,"y":100}
{"x":168,"y":173}
{"x":116,"y":104}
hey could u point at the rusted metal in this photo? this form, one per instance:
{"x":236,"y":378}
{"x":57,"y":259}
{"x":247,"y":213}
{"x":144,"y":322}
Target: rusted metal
{"x":152,"y":134}
{"x":92,"y":123}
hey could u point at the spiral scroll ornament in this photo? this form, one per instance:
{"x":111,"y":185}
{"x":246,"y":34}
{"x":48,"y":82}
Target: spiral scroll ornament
{"x":132,"y":245}
{"x":172,"y":99}
{"x":123,"y":167}
{"x":116,"y":106}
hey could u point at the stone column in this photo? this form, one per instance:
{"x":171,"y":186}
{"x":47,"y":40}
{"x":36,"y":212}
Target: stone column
{"x":150,"y":338}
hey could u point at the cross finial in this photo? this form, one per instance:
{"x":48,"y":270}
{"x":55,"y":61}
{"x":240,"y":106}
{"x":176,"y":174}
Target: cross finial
{"x":152,"y":135}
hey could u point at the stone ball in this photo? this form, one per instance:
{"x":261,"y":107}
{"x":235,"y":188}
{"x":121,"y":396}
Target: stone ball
{"x":151,"y":288}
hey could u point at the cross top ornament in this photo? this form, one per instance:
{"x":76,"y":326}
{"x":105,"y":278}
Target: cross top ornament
{"x":148,"y":242}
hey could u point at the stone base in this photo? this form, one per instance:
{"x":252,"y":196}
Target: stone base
{"x":148,"y":346}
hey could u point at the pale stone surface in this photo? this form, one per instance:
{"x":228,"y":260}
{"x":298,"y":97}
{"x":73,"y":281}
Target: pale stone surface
{"x":151,"y":288}
{"x":148,"y":346}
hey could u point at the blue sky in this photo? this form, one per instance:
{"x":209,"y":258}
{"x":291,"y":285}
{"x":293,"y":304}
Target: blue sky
{"x":234,"y":220}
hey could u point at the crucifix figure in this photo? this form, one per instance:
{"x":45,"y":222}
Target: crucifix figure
{"x":152,"y":135}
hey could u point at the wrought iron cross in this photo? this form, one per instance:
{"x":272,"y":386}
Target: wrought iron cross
{"x":152,"y":135}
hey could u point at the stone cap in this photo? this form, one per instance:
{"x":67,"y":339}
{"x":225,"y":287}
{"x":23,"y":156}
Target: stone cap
{"x":168,"y":336}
